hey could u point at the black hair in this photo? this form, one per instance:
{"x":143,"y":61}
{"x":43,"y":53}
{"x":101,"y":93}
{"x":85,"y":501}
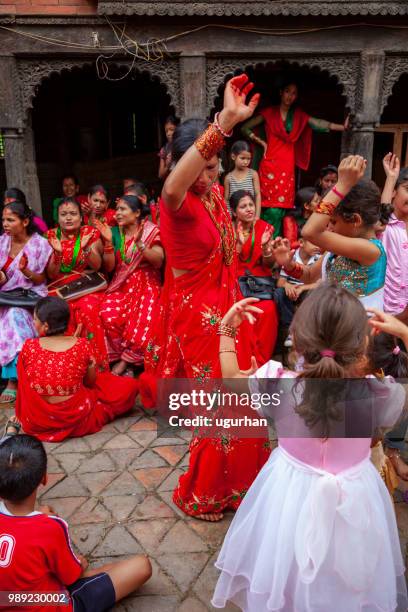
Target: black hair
{"x":172,"y":119}
{"x":69,"y":200}
{"x":239,"y":146}
{"x":70,"y":176}
{"x":364,"y":199}
{"x":383,"y":358}
{"x":135,"y":204}
{"x":23,"y":211}
{"x":16,"y":194}
{"x":402,"y":177}
{"x":185,"y":135}
{"x":330,"y":168}
{"x":99,"y":189}
{"x":137,"y":189}
{"x":23,"y":465}
{"x":304,"y":196}
{"x":55,"y":312}
{"x":237,"y":196}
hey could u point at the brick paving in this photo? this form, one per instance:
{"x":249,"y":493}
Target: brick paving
{"x":114,"y":488}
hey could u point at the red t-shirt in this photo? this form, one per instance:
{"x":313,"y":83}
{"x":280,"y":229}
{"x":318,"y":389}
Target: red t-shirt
{"x":36,"y":556}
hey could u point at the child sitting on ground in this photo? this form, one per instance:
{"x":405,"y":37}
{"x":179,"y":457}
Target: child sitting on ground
{"x":291,"y":291}
{"x":36,"y":552}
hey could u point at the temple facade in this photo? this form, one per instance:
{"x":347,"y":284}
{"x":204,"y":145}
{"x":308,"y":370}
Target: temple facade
{"x":85,"y":86}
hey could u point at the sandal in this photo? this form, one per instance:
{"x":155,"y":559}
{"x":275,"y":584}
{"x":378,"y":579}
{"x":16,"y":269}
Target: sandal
{"x":10,"y":423}
{"x":12,"y":393}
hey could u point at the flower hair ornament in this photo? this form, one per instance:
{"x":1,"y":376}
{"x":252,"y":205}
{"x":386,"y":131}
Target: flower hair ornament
{"x":396,"y":350}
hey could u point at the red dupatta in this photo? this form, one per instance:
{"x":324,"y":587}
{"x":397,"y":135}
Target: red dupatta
{"x":300,"y":135}
{"x":123,"y":271}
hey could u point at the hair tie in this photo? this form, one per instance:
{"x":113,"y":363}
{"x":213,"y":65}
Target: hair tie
{"x":328,"y":353}
{"x":396,"y":350}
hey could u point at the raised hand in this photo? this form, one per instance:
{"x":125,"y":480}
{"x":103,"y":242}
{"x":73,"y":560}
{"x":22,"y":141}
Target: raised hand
{"x":235,"y":107}
{"x":86,"y":207}
{"x":104,"y":230}
{"x":351,"y":170}
{"x":23,"y":263}
{"x":282,"y":251}
{"x":254,"y":367}
{"x":266,"y":236}
{"x":240,"y":233}
{"x":56,"y":245}
{"x":383,"y":322}
{"x":241,"y":311}
{"x":85,"y":241}
{"x":140,"y":231}
{"x":391,"y":165}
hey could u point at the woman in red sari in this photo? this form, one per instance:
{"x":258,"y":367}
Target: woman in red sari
{"x":288,"y":144}
{"x":201,"y":284}
{"x":60,"y":393}
{"x":77,"y":248}
{"x":98,"y":201}
{"x":255,"y":257}
{"x":129,"y":304}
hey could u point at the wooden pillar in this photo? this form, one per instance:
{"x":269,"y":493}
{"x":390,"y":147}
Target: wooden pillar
{"x":19,"y":157}
{"x":368,"y":111}
{"x":193,"y":86}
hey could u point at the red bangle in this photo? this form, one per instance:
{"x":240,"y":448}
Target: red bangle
{"x":325,"y":208}
{"x":337,"y":192}
{"x":295,"y":272}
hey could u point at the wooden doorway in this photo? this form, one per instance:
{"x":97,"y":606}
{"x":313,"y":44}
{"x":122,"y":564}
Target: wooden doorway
{"x":390,"y":137}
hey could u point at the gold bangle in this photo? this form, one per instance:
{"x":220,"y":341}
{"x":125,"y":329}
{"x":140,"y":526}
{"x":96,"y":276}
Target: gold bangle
{"x":226,"y":330}
{"x":210,"y":142}
{"x":227,"y":351}
{"x":325,"y":208}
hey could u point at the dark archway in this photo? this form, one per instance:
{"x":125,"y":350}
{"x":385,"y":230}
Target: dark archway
{"x":320,"y":95}
{"x":392,"y":133}
{"x":100,"y":130}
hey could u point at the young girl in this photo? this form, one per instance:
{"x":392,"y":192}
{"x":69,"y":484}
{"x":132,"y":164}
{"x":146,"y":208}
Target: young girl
{"x":316,"y":530}
{"x":165,"y":152}
{"x":61,"y":393}
{"x":354,"y":258}
{"x":242,"y":176}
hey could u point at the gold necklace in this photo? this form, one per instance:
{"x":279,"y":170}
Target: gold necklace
{"x":225,"y":231}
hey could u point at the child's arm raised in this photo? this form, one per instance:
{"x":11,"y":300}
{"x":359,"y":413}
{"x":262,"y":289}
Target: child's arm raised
{"x":391,"y":165}
{"x":284,"y":257}
{"x":351,"y":170}
{"x":257,"y":187}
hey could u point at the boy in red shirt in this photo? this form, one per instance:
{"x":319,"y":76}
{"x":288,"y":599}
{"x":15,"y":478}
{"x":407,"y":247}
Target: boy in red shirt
{"x":36,"y":556}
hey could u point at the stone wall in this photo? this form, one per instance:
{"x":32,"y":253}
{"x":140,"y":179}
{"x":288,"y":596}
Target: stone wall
{"x":48,"y":7}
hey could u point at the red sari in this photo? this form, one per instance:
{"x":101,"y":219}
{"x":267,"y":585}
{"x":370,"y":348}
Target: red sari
{"x":129,"y":305}
{"x":266,"y":326}
{"x":85,"y":310}
{"x":43,"y":372}
{"x":108,"y":217}
{"x":285,"y":151}
{"x":199,"y":237}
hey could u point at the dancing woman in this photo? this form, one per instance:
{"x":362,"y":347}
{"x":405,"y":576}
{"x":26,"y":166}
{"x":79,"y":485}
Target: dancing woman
{"x":288,"y":144}
{"x":200,"y":286}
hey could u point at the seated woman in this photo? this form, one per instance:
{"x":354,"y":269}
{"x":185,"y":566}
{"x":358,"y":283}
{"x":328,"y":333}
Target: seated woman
{"x":14,"y":194}
{"x":77,"y":248}
{"x":256,"y":258}
{"x":98,"y":200}
{"x":23,"y":258}
{"x":129,"y":305}
{"x":60,"y":393}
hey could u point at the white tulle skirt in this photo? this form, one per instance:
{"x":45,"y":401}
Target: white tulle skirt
{"x":304,"y":540}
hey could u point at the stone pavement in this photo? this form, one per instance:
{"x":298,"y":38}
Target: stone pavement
{"x":114,"y":488}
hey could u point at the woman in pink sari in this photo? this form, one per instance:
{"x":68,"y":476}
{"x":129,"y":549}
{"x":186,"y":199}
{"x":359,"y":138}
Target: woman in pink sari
{"x":128,"y":307}
{"x":23,"y":258}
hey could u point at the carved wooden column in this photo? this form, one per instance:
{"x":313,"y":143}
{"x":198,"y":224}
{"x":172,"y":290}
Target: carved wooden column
{"x":368,"y":105}
{"x":19,"y":155}
{"x":193,"y":86}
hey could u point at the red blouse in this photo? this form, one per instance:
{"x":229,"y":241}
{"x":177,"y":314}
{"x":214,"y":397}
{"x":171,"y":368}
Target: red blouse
{"x":68,"y":247}
{"x":56,"y":373}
